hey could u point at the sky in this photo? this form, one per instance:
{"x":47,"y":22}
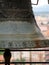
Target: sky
{"x":42,"y":6}
{"x":41,"y":2}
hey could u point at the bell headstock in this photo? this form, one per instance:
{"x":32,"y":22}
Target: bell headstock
{"x":35,"y":2}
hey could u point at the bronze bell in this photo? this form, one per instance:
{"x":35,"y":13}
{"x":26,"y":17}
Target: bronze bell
{"x":18,"y":28}
{"x":48,"y":1}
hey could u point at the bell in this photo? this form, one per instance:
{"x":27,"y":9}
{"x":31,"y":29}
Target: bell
{"x":48,"y":1}
{"x":18,"y":28}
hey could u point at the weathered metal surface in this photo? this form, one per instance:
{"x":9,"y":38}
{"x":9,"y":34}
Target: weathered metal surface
{"x":17,"y":24}
{"x":48,"y":1}
{"x":16,"y":10}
